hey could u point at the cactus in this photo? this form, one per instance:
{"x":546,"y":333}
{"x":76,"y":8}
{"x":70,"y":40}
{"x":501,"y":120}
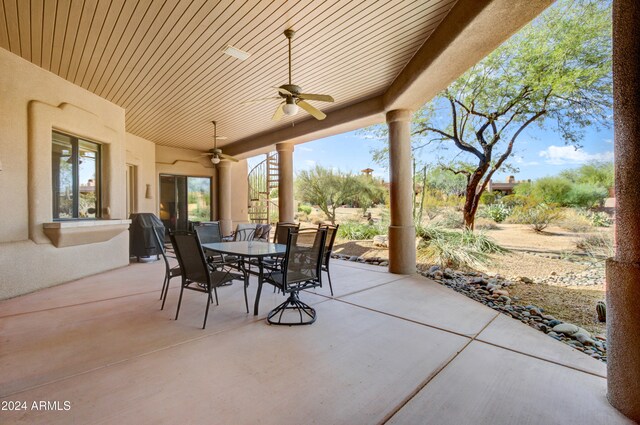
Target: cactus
{"x":601,"y":309}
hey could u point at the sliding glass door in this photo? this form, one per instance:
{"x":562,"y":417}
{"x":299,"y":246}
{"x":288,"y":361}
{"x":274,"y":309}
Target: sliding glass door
{"x":184,"y":200}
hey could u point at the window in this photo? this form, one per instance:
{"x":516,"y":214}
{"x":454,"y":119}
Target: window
{"x":75,"y":177}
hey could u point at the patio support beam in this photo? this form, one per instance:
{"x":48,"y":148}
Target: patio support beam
{"x":285,"y":182}
{"x":402,"y":233}
{"x":224,"y":197}
{"x":623,"y":271}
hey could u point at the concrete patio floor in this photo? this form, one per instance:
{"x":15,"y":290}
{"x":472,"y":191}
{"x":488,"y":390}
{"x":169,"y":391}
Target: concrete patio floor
{"x":387,"y":348}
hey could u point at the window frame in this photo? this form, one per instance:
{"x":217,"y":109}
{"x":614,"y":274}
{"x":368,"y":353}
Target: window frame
{"x":75,"y":169}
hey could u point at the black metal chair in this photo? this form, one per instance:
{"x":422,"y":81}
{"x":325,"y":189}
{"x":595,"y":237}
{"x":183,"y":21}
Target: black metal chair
{"x":170,"y":272}
{"x":210,"y":232}
{"x":196,"y":272}
{"x":301,"y":269}
{"x":262,"y":232}
{"x":332,"y":231}
{"x":282,"y":232}
{"x":244,"y":232}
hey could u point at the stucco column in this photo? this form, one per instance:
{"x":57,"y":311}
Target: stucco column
{"x":623,"y":271}
{"x":224,"y":197}
{"x":402,"y":233}
{"x":285,"y":182}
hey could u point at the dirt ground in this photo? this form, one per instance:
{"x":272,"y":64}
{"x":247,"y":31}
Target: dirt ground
{"x":553,"y":239}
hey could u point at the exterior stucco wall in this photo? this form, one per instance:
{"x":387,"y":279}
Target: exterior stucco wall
{"x":142,"y":153}
{"x":32,"y":103}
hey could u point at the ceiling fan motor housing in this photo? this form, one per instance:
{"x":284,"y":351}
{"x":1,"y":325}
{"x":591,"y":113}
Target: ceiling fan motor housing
{"x":291,"y":88}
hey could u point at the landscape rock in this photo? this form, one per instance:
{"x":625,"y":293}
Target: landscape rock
{"x":584,"y":339}
{"x":381,"y":241}
{"x":566,"y":328}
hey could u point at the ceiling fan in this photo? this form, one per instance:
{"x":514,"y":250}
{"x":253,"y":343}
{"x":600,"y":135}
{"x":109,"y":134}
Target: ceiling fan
{"x":215,"y":153}
{"x":292,"y":96}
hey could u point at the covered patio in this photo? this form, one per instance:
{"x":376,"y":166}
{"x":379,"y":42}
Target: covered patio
{"x":387,"y":348}
{"x":136,"y":85}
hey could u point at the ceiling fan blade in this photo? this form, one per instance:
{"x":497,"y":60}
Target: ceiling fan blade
{"x":250,"y":102}
{"x":279,"y":112}
{"x":229,"y":157}
{"x":206,"y":154}
{"x":284,"y":91}
{"x":315,"y":112}
{"x":320,"y":97}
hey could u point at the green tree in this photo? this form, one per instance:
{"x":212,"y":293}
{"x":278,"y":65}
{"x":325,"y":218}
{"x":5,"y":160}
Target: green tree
{"x":555,"y":73}
{"x":595,"y":173}
{"x":329,"y":189}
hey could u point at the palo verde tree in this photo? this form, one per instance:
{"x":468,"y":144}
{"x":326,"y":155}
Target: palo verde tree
{"x":329,"y":189}
{"x":554,"y":73}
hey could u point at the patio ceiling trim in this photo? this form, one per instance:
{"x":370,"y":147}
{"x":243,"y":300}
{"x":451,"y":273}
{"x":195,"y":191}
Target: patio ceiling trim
{"x":472,"y":30}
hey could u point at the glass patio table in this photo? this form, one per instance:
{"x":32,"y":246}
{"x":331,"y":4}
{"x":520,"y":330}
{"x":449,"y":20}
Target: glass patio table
{"x":248,"y":250}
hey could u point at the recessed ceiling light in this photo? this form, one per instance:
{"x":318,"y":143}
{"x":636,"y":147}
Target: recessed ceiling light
{"x":236,"y":53}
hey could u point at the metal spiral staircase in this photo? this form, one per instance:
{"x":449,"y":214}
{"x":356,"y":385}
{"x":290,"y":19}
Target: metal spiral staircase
{"x":263,"y":178}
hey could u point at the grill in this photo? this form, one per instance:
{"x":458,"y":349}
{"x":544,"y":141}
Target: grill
{"x":141,"y":240}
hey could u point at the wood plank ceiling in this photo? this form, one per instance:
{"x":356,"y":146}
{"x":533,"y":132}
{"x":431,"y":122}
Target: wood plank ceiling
{"x":161,"y":60}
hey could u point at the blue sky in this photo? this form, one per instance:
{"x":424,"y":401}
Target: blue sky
{"x":537,"y":153}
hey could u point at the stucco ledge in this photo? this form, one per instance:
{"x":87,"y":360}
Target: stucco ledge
{"x":83,"y":232}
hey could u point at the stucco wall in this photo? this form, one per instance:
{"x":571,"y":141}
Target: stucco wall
{"x":32,"y":103}
{"x":142,"y":153}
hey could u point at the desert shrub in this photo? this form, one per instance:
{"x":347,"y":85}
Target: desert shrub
{"x":301,"y":216}
{"x":456,"y":248}
{"x":317,"y":217}
{"x":360,"y":231}
{"x":524,"y":189}
{"x":514,"y":200}
{"x":488,"y":198}
{"x":538,"y":216}
{"x":600,"y":219}
{"x":552,"y":190}
{"x":450,"y":219}
{"x":485,"y":224}
{"x":497,"y":212}
{"x":585,"y":195}
{"x":598,"y":244}
{"x":305,"y":208}
{"x":576,"y":221}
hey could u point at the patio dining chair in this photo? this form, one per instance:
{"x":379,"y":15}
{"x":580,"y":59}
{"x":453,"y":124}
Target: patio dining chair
{"x":211,"y":233}
{"x":281,"y":236}
{"x":244,"y":232}
{"x":301,"y":269}
{"x":282,"y":231}
{"x":169,"y":271}
{"x":196,"y":272}
{"x":262,"y":232}
{"x":332,"y":231}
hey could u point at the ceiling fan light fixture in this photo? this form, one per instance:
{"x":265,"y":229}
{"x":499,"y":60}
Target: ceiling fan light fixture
{"x":290,"y":108}
{"x":215,"y":160}
{"x":236,"y":53}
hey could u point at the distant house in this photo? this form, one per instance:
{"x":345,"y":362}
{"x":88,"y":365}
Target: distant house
{"x":505,"y":188}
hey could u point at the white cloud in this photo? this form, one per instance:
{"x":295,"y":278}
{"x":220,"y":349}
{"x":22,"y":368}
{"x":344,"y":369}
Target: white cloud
{"x":558,"y":155}
{"x":310,"y":163}
{"x":609,"y":141}
{"x":304,"y":148}
{"x":521,"y":162}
